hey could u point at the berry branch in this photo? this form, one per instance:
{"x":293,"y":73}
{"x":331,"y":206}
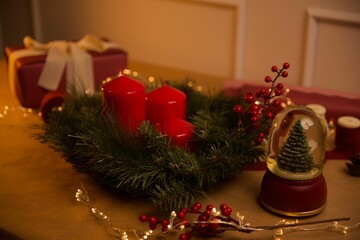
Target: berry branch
{"x":210,"y":222}
{"x":274,"y":90}
{"x":257,"y":109}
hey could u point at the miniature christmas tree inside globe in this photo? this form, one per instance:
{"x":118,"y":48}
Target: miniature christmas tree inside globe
{"x":297,"y":144}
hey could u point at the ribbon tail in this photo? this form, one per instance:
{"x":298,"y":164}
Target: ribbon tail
{"x":80,"y":73}
{"x":53,"y":69}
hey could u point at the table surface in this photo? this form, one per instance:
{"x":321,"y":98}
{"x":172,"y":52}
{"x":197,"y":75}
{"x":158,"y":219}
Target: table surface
{"x":37,"y":193}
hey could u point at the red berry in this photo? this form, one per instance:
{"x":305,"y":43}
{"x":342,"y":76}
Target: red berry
{"x":164,"y":229}
{"x":196,"y":207}
{"x":152,"y":220}
{"x":258,"y":140}
{"x":280,"y":86}
{"x":265,"y":96}
{"x":263,"y":91}
{"x":164,"y":222}
{"x":276,"y":103}
{"x":269,"y":115}
{"x":223,"y":206}
{"x":286,"y":65}
{"x":207,"y":213}
{"x":184,"y":222}
{"x":198,"y":204}
{"x":152,"y":226}
{"x":261,"y":135}
{"x":184,"y":210}
{"x":278,"y":92}
{"x":183,"y":237}
{"x":142,"y":218}
{"x":254,"y":112}
{"x":202,"y":217}
{"x":274,"y":68}
{"x":255,"y":107}
{"x":237,"y":109}
{"x":284,"y":74}
{"x":267,"y":79}
{"x":181,"y":214}
{"x":226,"y":212}
{"x":209,"y":207}
{"x":268,"y":131}
{"x":254,"y":119}
{"x":249,"y":98}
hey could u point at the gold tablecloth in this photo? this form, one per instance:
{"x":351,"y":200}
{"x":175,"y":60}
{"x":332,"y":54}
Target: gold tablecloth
{"x":37,"y":189}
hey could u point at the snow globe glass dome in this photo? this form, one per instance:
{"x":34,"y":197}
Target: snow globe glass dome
{"x":293,"y":184}
{"x":297,"y":144}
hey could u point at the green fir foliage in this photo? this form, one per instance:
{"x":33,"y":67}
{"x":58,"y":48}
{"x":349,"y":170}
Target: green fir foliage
{"x":295,"y":155}
{"x":146,"y":164}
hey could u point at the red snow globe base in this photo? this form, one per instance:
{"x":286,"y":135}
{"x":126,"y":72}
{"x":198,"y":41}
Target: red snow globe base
{"x":294,"y":184}
{"x":295,"y":198}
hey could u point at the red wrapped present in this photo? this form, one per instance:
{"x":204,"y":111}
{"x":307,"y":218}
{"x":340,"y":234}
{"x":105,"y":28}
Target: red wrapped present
{"x":36,"y":69}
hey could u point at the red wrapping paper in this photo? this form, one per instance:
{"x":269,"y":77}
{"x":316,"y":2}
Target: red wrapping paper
{"x":106,"y":64}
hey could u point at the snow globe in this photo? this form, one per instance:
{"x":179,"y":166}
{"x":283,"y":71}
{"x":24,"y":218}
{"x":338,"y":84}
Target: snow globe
{"x":293,"y":184}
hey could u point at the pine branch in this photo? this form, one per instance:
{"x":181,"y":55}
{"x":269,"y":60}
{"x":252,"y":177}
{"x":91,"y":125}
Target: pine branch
{"x":146,"y":164}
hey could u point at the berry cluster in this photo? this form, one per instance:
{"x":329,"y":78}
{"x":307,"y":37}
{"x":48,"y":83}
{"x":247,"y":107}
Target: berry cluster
{"x":153,"y":222}
{"x":259,"y":107}
{"x":208,"y":222}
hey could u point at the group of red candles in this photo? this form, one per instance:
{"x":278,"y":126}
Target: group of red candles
{"x":163,"y":107}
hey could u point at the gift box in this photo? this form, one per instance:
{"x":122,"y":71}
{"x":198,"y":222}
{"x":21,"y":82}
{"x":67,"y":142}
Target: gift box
{"x":25,"y":85}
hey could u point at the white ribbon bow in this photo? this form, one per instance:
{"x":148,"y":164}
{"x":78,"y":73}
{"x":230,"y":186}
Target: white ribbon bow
{"x":61,"y":54}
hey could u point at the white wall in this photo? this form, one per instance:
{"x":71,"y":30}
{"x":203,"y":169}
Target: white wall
{"x":224,"y":38}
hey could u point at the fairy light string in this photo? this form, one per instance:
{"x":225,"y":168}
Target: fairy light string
{"x":223,"y":224}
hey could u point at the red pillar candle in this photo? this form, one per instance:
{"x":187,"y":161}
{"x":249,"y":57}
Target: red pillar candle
{"x":164,"y":103}
{"x":126,"y":98}
{"x":179,"y":132}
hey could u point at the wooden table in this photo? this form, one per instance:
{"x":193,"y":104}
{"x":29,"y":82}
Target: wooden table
{"x":37,"y":189}
{"x":37,"y":192}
